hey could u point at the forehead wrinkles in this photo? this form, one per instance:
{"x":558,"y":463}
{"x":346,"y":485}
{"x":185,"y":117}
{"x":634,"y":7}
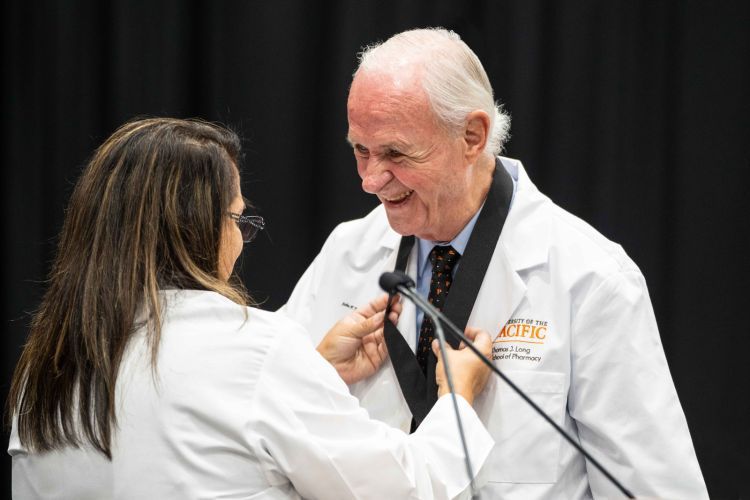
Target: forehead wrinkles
{"x":386,"y":91}
{"x":381,"y":106}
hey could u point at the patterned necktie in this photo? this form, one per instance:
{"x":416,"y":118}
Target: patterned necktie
{"x":443,"y":259}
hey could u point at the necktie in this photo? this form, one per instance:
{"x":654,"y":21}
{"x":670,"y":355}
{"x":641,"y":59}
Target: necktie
{"x":443,"y":259}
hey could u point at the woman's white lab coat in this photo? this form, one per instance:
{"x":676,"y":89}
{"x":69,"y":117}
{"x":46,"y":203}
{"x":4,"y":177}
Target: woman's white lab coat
{"x":246,"y":408}
{"x":572,"y":325}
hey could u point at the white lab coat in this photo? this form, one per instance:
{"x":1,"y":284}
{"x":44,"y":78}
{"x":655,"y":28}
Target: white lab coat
{"x":248,"y":409}
{"x":572,"y":325}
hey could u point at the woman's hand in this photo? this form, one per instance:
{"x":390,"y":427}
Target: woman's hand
{"x":469,"y":372}
{"x":355,"y":346}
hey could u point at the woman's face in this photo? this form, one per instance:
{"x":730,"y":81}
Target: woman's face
{"x":231,"y":238}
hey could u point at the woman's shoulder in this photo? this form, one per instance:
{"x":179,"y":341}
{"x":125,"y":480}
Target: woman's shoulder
{"x":198,"y":324}
{"x":212,"y":353}
{"x":201,"y":307}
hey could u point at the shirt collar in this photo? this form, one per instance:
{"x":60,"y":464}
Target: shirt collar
{"x":424,"y":247}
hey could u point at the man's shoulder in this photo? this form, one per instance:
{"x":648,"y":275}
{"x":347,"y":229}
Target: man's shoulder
{"x":566,"y":239}
{"x":581,"y":241}
{"x":369,"y":232}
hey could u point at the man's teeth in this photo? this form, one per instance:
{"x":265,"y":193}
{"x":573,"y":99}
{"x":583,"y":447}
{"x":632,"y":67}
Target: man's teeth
{"x":399,"y":197}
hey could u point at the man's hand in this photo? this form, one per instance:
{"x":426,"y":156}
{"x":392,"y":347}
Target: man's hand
{"x":469,"y":372}
{"x":355,"y":346}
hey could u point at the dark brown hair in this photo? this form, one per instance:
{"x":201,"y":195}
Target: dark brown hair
{"x":147,"y":213}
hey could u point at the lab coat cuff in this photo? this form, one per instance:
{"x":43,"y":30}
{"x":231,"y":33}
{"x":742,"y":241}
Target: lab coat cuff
{"x":442,"y":420}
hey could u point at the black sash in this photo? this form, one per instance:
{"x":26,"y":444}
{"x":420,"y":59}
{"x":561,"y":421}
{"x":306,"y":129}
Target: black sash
{"x":420,"y":392}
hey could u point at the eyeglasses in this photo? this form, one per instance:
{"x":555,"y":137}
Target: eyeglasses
{"x":250,"y":225}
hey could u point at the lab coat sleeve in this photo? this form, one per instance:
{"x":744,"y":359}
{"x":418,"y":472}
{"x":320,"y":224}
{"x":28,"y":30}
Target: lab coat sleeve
{"x":623,"y":399}
{"x":305,"y":293}
{"x":314,"y":433}
{"x":299,"y":305}
{"x":313,"y":290}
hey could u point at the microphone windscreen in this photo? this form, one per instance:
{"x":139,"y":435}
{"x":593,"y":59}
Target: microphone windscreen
{"x":390,"y":281}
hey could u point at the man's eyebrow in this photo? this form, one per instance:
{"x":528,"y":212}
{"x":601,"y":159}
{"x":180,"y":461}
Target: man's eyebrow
{"x":397,"y":145}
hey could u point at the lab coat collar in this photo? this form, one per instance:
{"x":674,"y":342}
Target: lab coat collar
{"x":523,"y":243}
{"x":391,"y":239}
{"x":525,"y":237}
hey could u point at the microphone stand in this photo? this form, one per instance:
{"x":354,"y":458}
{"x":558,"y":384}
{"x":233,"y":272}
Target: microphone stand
{"x":408,"y":291}
{"x":415,"y":297}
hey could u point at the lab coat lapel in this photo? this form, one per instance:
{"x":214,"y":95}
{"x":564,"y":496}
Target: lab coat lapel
{"x":501,"y":292}
{"x":401,"y":343}
{"x":408,"y":318}
{"x":523,"y":244}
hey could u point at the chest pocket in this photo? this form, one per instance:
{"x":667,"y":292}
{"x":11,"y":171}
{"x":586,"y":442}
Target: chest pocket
{"x":527,"y":448}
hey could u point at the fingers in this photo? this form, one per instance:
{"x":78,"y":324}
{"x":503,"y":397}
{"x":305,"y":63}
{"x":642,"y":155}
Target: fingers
{"x":370,"y":346}
{"x":439,"y":369}
{"x":483,"y":342}
{"x":480,"y":338}
{"x":379,"y":304}
{"x":372,"y":307}
{"x":471,"y":332}
{"x":375,"y":348}
{"x":436,"y":348}
{"x":469,"y":373}
{"x":360,"y":327}
{"x":396,"y":308}
{"x":396,"y":305}
{"x":373,"y":323}
{"x":383,"y":349}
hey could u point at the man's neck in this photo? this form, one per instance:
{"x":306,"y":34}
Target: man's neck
{"x":484,"y":170}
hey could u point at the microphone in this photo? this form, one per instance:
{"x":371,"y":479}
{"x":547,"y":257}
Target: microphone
{"x":400,"y":282}
{"x":390,"y":282}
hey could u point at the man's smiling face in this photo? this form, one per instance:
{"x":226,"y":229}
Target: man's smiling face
{"x":404,"y":157}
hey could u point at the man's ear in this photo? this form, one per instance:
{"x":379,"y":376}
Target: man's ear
{"x":476,"y":134}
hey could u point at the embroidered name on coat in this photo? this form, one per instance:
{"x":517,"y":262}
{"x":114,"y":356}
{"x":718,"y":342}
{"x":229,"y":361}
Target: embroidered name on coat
{"x":520,"y":339}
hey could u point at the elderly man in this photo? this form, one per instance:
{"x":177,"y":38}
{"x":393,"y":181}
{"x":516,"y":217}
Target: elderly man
{"x":568,"y":310}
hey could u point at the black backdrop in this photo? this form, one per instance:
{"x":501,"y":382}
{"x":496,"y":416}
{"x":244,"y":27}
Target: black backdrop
{"x":632,"y":115}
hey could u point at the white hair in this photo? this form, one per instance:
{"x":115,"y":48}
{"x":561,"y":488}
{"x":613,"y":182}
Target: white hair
{"x":452,"y":77}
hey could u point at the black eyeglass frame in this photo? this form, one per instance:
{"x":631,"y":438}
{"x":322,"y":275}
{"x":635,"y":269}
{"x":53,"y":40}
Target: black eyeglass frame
{"x":250,"y":225}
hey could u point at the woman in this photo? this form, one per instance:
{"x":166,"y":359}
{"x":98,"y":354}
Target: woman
{"x":146,"y":376}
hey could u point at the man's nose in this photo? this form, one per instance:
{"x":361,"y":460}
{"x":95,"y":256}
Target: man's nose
{"x":375,"y":178}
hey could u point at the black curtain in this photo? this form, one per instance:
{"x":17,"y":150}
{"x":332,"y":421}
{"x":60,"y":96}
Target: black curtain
{"x":631,"y":114}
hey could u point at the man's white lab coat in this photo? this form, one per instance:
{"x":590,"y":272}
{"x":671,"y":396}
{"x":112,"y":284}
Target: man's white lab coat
{"x":246,"y":408}
{"x":572,"y":325}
